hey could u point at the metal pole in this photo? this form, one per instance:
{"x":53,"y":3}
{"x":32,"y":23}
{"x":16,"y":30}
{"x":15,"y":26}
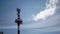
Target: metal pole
{"x":18,"y":20}
{"x":18,"y":30}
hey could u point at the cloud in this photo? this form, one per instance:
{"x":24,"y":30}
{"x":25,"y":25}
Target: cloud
{"x":53,"y":20}
{"x":8,"y":27}
{"x":49,"y":29}
{"x":49,"y":10}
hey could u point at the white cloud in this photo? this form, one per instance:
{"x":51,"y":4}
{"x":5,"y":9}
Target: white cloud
{"x":53,"y":20}
{"x":49,"y":11}
{"x":8,"y":27}
{"x":49,"y":29}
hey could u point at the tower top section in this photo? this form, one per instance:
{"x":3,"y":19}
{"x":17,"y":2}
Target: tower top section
{"x":18,"y":10}
{"x":18,"y":20}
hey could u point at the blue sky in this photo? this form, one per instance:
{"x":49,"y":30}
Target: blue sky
{"x":39,"y":16}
